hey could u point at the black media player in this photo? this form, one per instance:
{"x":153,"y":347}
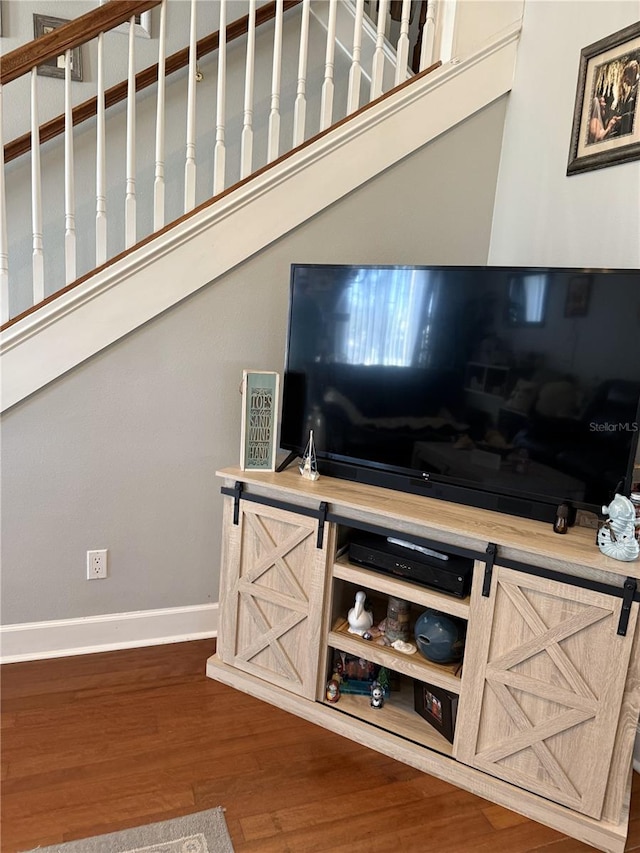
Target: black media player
{"x":412,"y":563}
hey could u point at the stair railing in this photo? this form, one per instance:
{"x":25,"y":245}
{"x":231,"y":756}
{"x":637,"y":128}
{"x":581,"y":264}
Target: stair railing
{"x":91,"y":28}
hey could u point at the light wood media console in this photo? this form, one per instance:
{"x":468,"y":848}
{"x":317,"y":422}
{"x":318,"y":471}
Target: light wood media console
{"x":549,"y":692}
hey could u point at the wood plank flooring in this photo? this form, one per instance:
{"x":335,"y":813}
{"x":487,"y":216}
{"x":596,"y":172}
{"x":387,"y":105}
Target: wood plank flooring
{"x":97,"y":743}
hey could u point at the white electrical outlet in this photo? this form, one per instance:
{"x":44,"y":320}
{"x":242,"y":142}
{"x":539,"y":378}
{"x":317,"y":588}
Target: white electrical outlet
{"x":96,"y":565}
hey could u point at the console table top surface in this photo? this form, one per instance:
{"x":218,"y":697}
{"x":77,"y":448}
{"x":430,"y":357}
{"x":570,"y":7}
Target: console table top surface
{"x":455,"y":523}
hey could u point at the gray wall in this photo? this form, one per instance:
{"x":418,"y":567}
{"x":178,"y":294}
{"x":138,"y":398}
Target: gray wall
{"x":122,"y":452}
{"x":541,"y":215}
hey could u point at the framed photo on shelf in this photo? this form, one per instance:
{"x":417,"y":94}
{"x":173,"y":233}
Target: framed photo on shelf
{"x":606,"y":124}
{"x":44,"y":24}
{"x":438,"y":707}
{"x":260,"y":394}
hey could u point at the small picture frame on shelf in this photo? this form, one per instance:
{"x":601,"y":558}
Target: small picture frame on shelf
{"x":42,"y":26}
{"x":437,"y":706}
{"x":258,"y":443}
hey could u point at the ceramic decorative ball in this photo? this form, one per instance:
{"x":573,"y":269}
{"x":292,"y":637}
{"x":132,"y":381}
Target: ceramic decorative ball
{"x":440,"y":638}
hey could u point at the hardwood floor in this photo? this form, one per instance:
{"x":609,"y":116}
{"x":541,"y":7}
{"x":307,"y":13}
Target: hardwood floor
{"x":101,"y":742}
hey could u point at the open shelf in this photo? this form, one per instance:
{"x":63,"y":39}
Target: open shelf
{"x":397,"y":716}
{"x":387,"y":584}
{"x":414,"y":666}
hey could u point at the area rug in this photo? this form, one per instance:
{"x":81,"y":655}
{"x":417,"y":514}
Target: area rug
{"x":202,"y":832}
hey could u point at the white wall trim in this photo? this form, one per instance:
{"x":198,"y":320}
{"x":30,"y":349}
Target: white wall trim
{"x":87,"y":635}
{"x":175,"y":264}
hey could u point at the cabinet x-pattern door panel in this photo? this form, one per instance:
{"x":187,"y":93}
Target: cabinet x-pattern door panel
{"x":542,"y":685}
{"x":273,"y":600}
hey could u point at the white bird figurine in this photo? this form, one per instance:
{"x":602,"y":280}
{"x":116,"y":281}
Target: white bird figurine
{"x":359,"y":619}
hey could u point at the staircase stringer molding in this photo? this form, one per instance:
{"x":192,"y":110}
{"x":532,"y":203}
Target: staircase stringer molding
{"x":217,"y":237}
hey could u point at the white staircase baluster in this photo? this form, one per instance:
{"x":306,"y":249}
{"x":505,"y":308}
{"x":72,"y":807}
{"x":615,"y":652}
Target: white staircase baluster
{"x":69,"y":187}
{"x":101,"y":163}
{"x":355,"y":72}
{"x":402,"y":49}
{"x":300,"y":107}
{"x":428,"y":36}
{"x":326,"y":105}
{"x":158,"y":184}
{"x":246,"y":147}
{"x":377,"y":69}
{"x":4,"y":248}
{"x":274,"y":115}
{"x":130,"y":190}
{"x":36,"y":196}
{"x":190,"y":161}
{"x":219,"y":151}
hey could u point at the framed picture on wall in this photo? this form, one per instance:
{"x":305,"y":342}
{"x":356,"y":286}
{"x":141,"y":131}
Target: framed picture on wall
{"x":259,"y":420}
{"x":44,"y":24}
{"x":141,"y":26}
{"x":606,"y":124}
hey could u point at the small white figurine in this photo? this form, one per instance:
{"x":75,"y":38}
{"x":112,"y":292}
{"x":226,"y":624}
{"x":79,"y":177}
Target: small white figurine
{"x":359,"y":619}
{"x":617,"y":536}
{"x":309,"y":465}
{"x":377,"y":695}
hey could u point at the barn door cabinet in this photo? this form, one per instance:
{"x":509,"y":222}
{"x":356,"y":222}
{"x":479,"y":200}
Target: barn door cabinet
{"x":548,"y":691}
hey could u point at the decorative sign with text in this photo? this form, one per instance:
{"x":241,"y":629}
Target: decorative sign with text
{"x":259,"y":420}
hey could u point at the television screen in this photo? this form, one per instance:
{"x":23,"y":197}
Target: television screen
{"x":509,"y":388}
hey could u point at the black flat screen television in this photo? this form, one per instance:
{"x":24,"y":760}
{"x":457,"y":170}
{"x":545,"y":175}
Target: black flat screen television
{"x":511,"y":389}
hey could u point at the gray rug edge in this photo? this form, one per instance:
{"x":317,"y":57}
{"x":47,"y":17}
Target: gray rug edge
{"x":211,"y":823}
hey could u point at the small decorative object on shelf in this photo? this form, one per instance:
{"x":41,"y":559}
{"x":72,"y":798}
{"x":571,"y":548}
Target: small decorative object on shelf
{"x":437,"y":706}
{"x":440,"y":638}
{"x":309,"y":465}
{"x":635,"y":500}
{"x":397,"y":625}
{"x":359,"y":619}
{"x":333,"y":690}
{"x":561,"y":524}
{"x":259,"y":428}
{"x":377,"y":695}
{"x":617,"y":536}
{"x":405,"y":648}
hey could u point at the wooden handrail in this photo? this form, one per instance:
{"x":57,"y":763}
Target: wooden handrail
{"x":70,"y":35}
{"x":283,"y":157}
{"x":145,"y":78}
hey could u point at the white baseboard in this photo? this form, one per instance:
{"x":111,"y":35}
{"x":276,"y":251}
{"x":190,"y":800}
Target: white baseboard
{"x":64,"y":637}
